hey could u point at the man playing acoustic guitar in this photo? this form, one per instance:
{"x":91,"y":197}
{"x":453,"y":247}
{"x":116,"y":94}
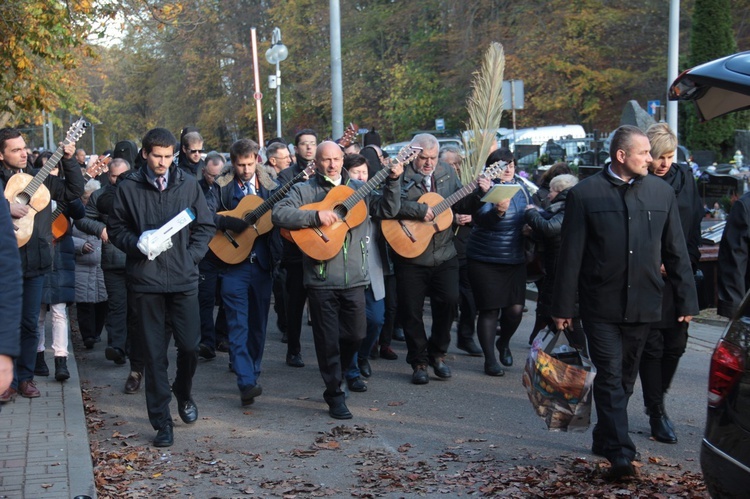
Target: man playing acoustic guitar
{"x":36,"y":254}
{"x":336,"y":287}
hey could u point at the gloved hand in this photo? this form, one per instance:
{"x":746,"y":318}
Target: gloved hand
{"x":149,"y":247}
{"x":234,"y":224}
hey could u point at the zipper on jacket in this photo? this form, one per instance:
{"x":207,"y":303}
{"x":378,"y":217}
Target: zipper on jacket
{"x":364,"y":255}
{"x":346,"y":255}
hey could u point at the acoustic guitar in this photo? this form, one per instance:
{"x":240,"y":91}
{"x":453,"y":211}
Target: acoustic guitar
{"x":233,"y":248}
{"x":30,"y":190}
{"x":409,"y":238}
{"x":60,"y":222}
{"x":323,"y":243}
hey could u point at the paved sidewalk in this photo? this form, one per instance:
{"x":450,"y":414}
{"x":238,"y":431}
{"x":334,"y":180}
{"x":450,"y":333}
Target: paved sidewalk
{"x":44,"y":446}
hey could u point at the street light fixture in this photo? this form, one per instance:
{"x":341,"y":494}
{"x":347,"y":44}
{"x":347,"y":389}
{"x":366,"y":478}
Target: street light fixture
{"x":277,"y":53}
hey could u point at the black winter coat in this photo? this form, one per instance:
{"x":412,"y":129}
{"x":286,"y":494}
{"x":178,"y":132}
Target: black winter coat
{"x":549,"y":229}
{"x":97,"y":213}
{"x":138,"y":207}
{"x":11,"y":290}
{"x":734,"y":256}
{"x":690,"y":207}
{"x":615,"y":236}
{"x":36,"y":255}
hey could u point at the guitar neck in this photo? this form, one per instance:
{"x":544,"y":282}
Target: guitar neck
{"x":454,"y":198}
{"x":275,"y":198}
{"x":42,"y":174}
{"x":366,"y":189}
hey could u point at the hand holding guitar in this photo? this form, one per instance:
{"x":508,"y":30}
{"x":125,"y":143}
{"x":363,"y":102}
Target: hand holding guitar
{"x":429,"y":216}
{"x":69,"y":149}
{"x":327,"y":218}
{"x":485,"y":184}
{"x":397,"y":170}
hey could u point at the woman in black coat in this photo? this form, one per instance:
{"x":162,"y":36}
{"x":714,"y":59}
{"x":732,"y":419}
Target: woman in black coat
{"x":667,"y":338}
{"x":547,"y":226}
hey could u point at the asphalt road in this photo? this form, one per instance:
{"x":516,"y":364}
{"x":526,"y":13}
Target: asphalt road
{"x":404,"y":440}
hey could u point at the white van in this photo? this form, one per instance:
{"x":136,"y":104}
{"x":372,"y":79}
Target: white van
{"x":540,"y":135}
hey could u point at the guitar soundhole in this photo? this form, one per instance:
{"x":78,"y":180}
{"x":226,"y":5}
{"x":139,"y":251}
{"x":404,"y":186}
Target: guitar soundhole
{"x":340,"y":211}
{"x":23,"y":198}
{"x":251,"y":219}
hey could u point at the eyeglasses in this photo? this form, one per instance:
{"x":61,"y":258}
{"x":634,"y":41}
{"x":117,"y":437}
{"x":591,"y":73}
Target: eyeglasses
{"x":308,"y":144}
{"x":193,"y":151}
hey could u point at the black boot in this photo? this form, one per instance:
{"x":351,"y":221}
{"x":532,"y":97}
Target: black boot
{"x":661,"y":429}
{"x":337,"y":406}
{"x":61,"y":368}
{"x":41,"y":369}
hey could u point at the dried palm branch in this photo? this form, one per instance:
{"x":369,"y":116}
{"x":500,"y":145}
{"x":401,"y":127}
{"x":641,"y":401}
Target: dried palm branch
{"x":485,"y":107}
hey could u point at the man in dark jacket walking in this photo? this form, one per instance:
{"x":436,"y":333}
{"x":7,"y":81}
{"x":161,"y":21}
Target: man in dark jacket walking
{"x":36,"y":254}
{"x":624,"y":225}
{"x":163,"y":277}
{"x":336,"y":287}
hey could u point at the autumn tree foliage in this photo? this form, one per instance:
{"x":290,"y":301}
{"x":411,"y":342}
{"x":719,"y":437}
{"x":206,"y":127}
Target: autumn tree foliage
{"x":42,"y":42}
{"x":189,"y":62}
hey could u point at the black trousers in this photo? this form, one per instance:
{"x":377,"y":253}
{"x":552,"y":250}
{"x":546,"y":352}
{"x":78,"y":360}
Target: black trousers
{"x":339,"y":326}
{"x":391,"y":309}
{"x":295,"y":307}
{"x":467,"y":308}
{"x":210,"y":269}
{"x":615,"y":350}
{"x":123,"y":330}
{"x":415,"y":283}
{"x":91,"y":318}
{"x":184,"y":316}
{"x":659,"y":361}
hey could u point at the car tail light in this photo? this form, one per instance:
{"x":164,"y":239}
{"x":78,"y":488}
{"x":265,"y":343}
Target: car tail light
{"x":727,"y":365}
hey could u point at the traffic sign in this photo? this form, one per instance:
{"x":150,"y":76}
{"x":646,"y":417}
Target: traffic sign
{"x":653,"y":107}
{"x":440,"y":125}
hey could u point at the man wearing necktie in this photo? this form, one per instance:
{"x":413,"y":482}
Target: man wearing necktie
{"x":164,"y":282}
{"x":246,"y":286}
{"x":434,"y":273}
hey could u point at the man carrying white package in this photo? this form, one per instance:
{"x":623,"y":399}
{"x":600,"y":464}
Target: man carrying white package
{"x":146,"y":222}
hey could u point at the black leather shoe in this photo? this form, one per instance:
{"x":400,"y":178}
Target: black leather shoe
{"x":420,"y":376}
{"x":364,"y":367}
{"x":115,"y":354}
{"x":247,"y":395}
{"x":398,"y":334}
{"x":295,"y":360}
{"x":470,"y":347}
{"x":337,"y":408}
{"x":222,"y":346}
{"x":165,"y":436}
{"x":506,"y":358}
{"x":387,"y":353}
{"x":133,"y":383}
{"x":494,"y":370}
{"x":440,"y":369}
{"x":89,"y":343}
{"x":61,"y":369}
{"x":41,"y":368}
{"x":356,"y":385}
{"x":188,"y":410}
{"x":660,"y":430}
{"x":206,"y":352}
{"x":621,"y":468}
{"x":597,"y":450}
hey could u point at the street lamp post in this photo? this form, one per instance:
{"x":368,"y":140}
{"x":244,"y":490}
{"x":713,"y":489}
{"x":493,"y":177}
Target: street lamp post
{"x":277,"y":53}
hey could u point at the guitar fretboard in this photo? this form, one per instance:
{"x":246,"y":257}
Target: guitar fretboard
{"x":275,"y":198}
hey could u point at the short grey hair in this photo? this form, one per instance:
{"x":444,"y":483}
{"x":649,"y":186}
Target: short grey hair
{"x":562,"y":182}
{"x":120,"y":162}
{"x":274,"y":148}
{"x":446,"y":149}
{"x":426,"y":141}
